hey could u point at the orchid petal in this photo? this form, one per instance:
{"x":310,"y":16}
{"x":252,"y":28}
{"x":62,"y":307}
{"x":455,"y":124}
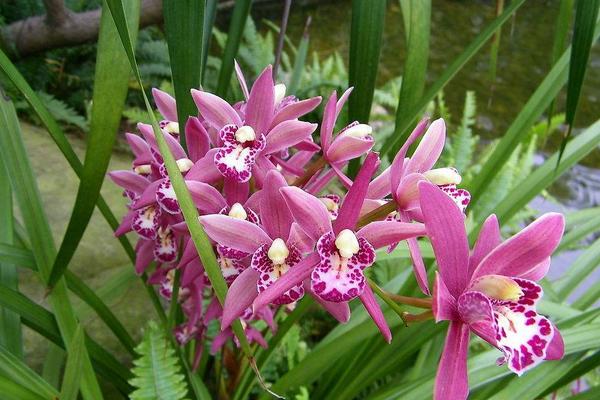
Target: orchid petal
{"x":165,"y":103}
{"x":350,"y":209}
{"x":287,"y":134}
{"x":339,"y":311}
{"x":235,"y":233}
{"x":261,"y":102}
{"x":418,"y":265}
{"x":296,"y":110}
{"x":451,"y":381}
{"x":166,"y":197}
{"x":372,"y":306}
{"x":308,"y":211}
{"x":329,"y":117}
{"x":139,"y":146}
{"x":205,"y":170}
{"x":235,"y":192}
{"x":344,"y":148}
{"x":129,"y":180}
{"x":407,"y":193}
{"x":240,"y":77}
{"x":430,"y":148}
{"x":344,"y":180}
{"x":519,"y":254}
{"x":173,"y":143}
{"x":556,"y":348}
{"x":445,"y":227}
{"x":380,"y":186}
{"x":144,"y":255}
{"x":290,"y":279}
{"x":300,"y":239}
{"x":196,"y":137}
{"x":125,"y":225}
{"x":489,"y":238}
{"x":340,"y":103}
{"x":215,"y":110}
{"x":239,"y":296}
{"x":307,"y":145}
{"x":444,"y":304}
{"x":206,"y":198}
{"x":538,"y":271}
{"x":275,"y":215}
{"x":384,"y":233}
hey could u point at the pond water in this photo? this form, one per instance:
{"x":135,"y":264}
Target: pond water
{"x":524,"y":60}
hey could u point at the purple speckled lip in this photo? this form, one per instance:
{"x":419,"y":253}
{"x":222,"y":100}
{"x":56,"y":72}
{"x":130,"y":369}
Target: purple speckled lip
{"x":234,"y":159}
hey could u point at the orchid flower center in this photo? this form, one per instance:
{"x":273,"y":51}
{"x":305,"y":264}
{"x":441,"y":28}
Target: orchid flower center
{"x":143,"y":169}
{"x":443,"y":176}
{"x":245,"y":134}
{"x":329,"y":204}
{"x":172,"y":128}
{"x":498,"y":287}
{"x":280,"y":90}
{"x":359,"y":131}
{"x":347,"y":243}
{"x":278,"y":252}
{"x":237,"y":211}
{"x":184,"y":165}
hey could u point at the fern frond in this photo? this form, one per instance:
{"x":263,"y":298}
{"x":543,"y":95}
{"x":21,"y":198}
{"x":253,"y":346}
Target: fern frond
{"x":157,"y":374}
{"x":62,"y":111}
{"x":464,"y":142}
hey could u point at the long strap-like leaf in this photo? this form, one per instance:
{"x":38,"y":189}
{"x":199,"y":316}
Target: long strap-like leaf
{"x":110,"y":89}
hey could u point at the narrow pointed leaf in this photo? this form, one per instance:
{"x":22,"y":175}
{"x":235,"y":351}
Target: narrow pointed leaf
{"x":72,"y":376}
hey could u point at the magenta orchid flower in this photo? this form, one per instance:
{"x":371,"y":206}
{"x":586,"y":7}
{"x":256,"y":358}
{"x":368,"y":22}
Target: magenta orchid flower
{"x":491,"y":291}
{"x":260,"y":128}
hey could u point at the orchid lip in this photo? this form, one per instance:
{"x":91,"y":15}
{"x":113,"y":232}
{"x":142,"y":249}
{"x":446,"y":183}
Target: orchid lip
{"x":498,"y":287}
{"x":237,"y":211}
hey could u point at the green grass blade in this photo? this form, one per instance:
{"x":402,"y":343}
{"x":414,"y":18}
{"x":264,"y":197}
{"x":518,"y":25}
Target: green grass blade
{"x":13,"y":391}
{"x":495,"y":47}
{"x":13,"y":368}
{"x":590,"y":394}
{"x":16,"y":256}
{"x":366,"y":34}
{"x":578,"y":233}
{"x":537,"y":103}
{"x":584,"y":366}
{"x":184,"y":25}
{"x":579,"y":270}
{"x":589,"y":298}
{"x":299,"y":61}
{"x":59,"y":138}
{"x":417,"y":13}
{"x":12,"y":151}
{"x":44,"y":322}
{"x":10,"y":324}
{"x":72,"y":376}
{"x":240,"y":13}
{"x":547,"y":173}
{"x":400,"y":130}
{"x":110,"y":89}
{"x":586,"y":14}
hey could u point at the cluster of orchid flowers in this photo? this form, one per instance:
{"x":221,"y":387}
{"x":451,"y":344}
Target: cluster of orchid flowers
{"x":260,"y":181}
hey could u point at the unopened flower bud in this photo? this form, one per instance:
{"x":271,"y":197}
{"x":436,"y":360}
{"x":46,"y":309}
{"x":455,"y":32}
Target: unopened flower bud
{"x":143,"y":169}
{"x":347,"y":243}
{"x":280,"y":90}
{"x":237,"y":211}
{"x":498,"y":287}
{"x":184,"y":164}
{"x":359,"y":131}
{"x":278,"y":252}
{"x":245,"y":134}
{"x":443,"y":176}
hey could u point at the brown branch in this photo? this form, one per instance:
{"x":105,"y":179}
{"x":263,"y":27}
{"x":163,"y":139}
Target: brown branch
{"x":56,"y":12}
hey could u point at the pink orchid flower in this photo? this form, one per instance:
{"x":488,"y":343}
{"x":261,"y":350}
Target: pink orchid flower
{"x":335,"y":267}
{"x":490,"y":291}
{"x":250,"y":135}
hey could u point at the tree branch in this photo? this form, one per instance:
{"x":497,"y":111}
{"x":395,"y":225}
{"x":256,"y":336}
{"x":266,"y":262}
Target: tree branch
{"x":56,"y":12}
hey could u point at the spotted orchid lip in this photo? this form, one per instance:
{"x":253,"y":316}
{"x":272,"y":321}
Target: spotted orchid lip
{"x":236,"y":159}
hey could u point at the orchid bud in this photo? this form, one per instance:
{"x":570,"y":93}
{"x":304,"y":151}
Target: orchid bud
{"x":184,"y":164}
{"x":359,"y":131}
{"x":172,"y":127}
{"x":498,"y":287}
{"x":347,"y":243}
{"x":443,"y":176}
{"x":278,"y":252}
{"x":280,"y":90}
{"x":245,"y":134}
{"x":237,"y":211}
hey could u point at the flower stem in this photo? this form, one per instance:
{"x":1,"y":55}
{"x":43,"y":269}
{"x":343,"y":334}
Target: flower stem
{"x":377,"y":214}
{"x":408,"y":317}
{"x":384,"y":296}
{"x":310,"y":171}
{"x":410,"y":301}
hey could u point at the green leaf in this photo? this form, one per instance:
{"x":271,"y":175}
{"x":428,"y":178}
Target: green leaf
{"x":536,"y":104}
{"x":579,"y":232}
{"x":417,"y":14}
{"x":72,"y":377}
{"x":396,"y":140}
{"x":12,"y":151}
{"x":579,"y":270}
{"x":10,"y":325}
{"x":543,"y":176}
{"x":366,"y":34}
{"x":209,"y":21}
{"x":584,"y":366}
{"x":184,"y":25}
{"x":110,"y":89}
{"x":495,"y":47}
{"x":586,"y":14}
{"x":14,"y":369}
{"x":13,"y":391}
{"x":590,"y":394}
{"x":157,"y":373}
{"x":299,"y":61}
{"x":43,"y":322}
{"x":240,"y":13}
